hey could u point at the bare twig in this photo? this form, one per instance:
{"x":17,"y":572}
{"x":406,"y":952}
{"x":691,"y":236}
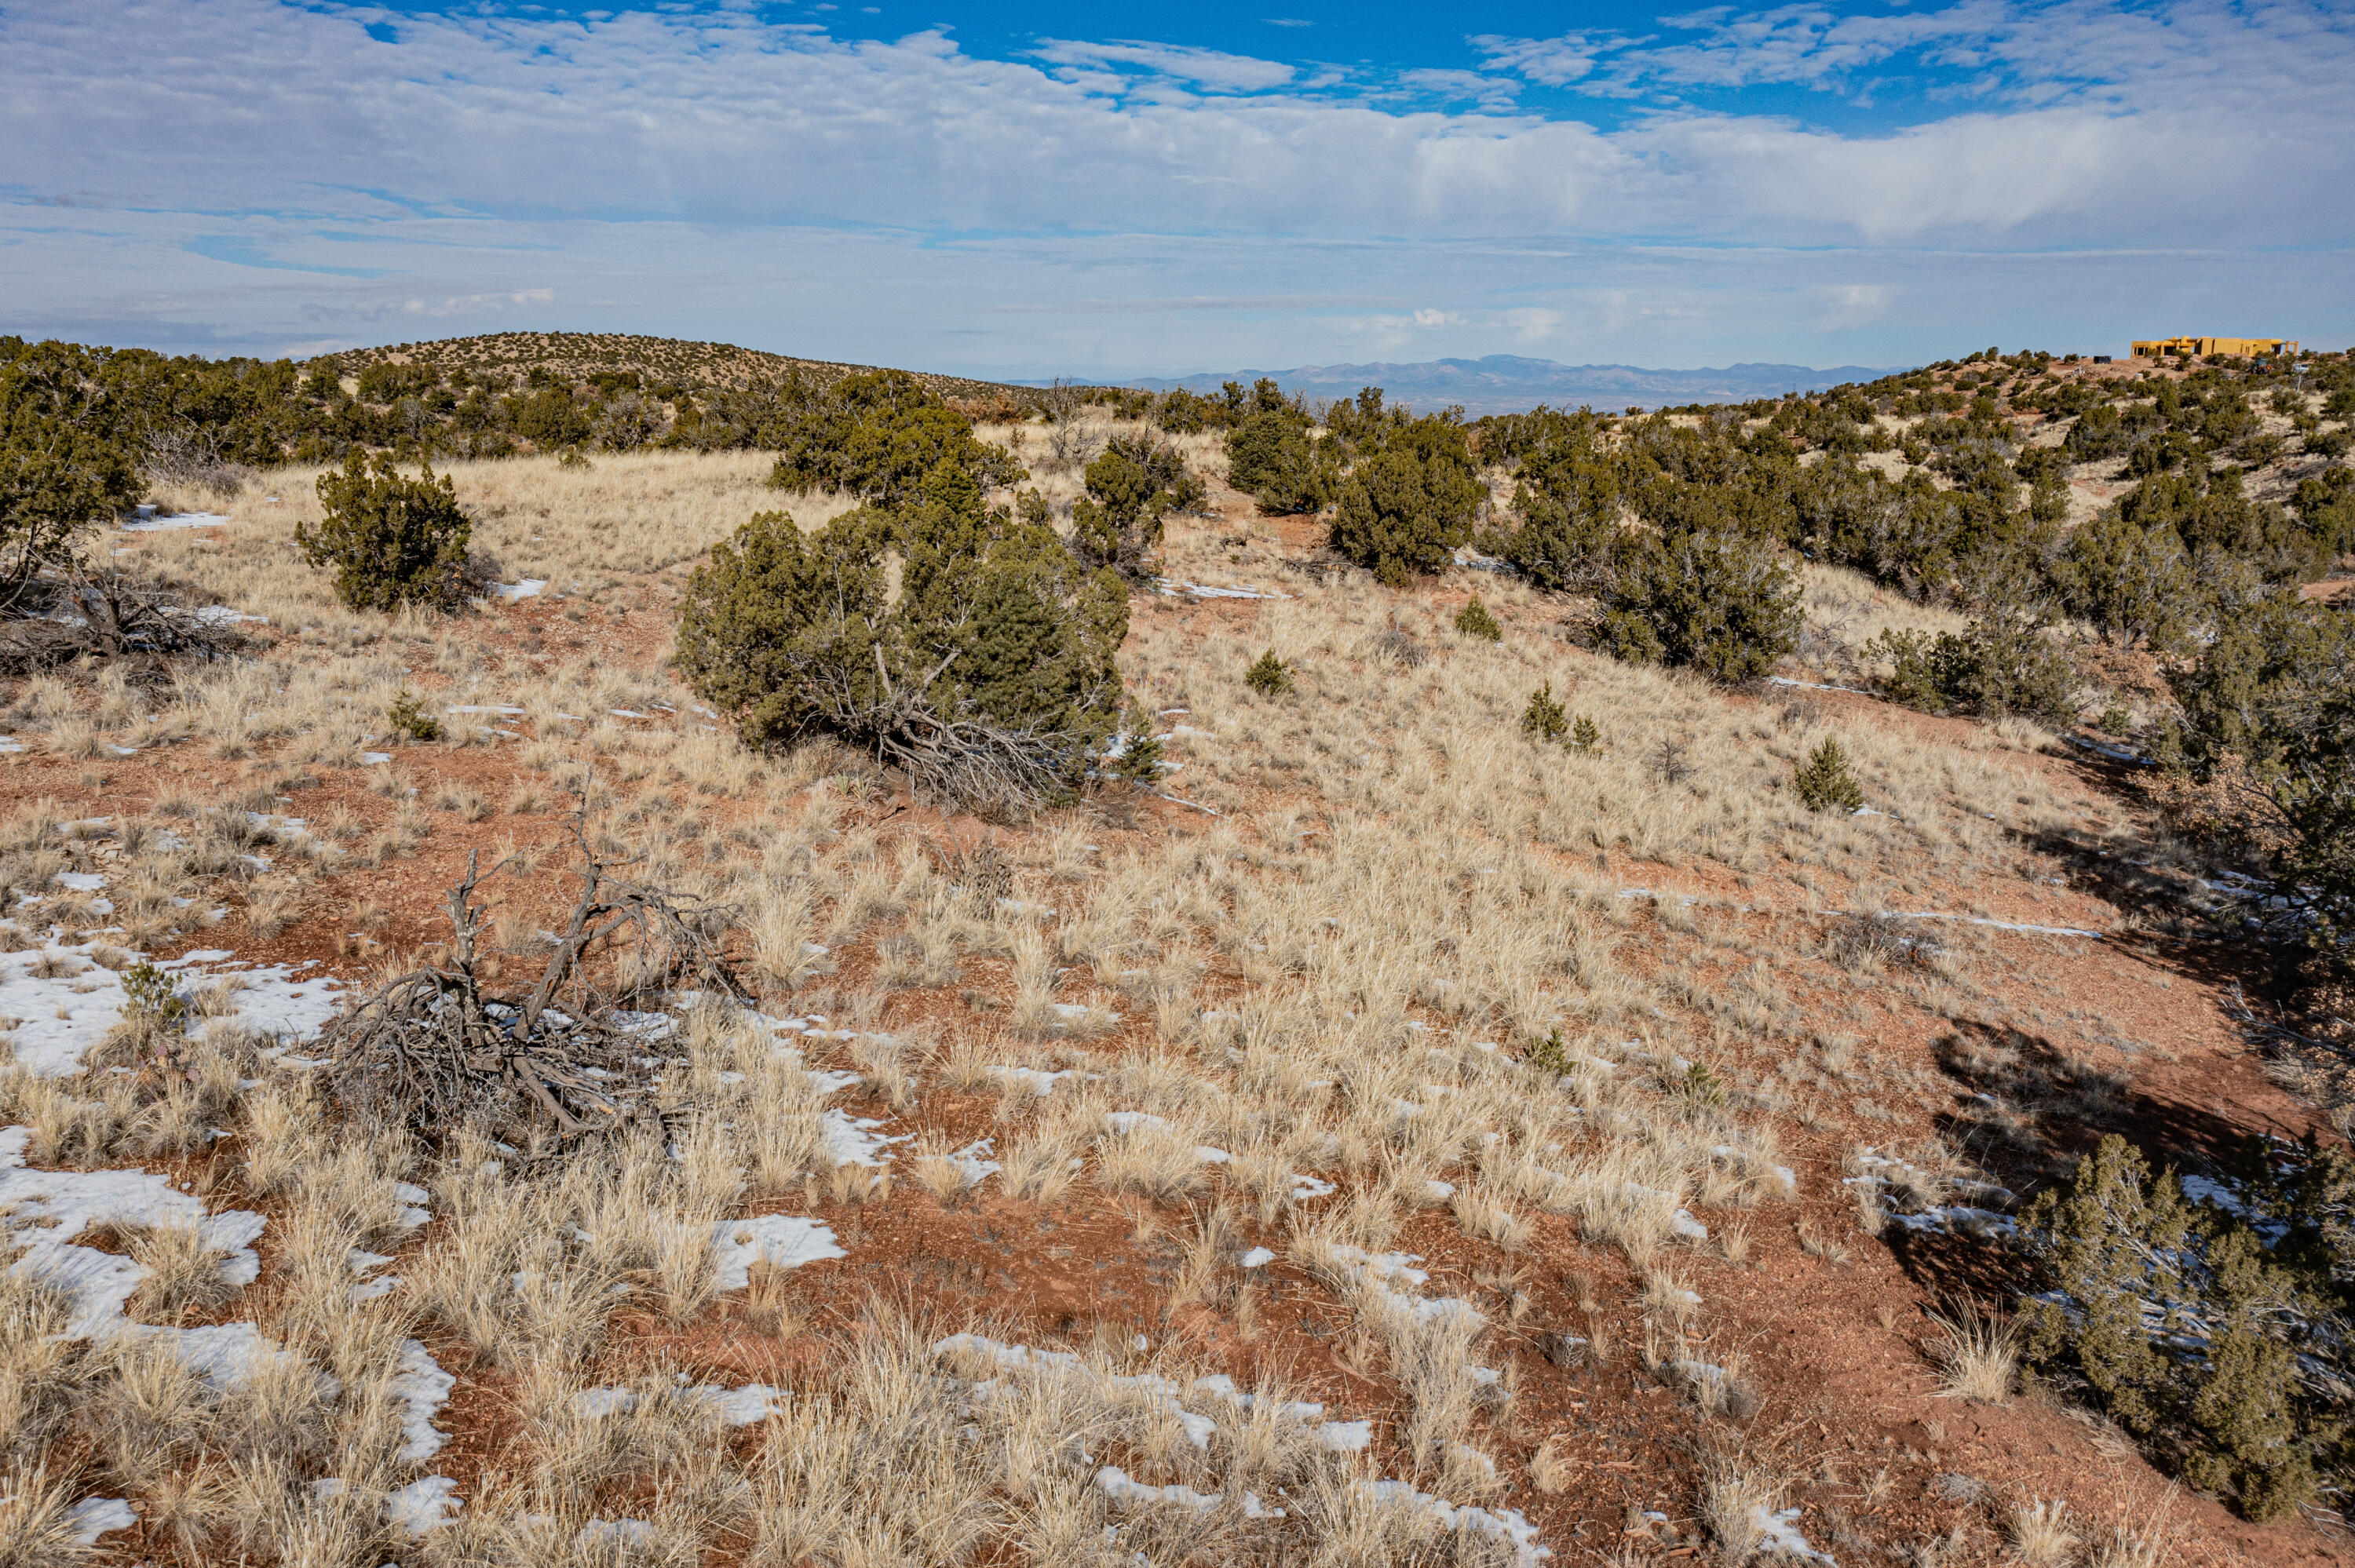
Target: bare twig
{"x":432,"y":1050}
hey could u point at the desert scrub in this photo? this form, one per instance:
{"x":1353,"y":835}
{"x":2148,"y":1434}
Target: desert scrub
{"x":2269,"y":702}
{"x":1408,"y":502}
{"x":409,"y":718}
{"x":1474,"y":620}
{"x":1270,"y":454}
{"x":1545,"y":720}
{"x":1130,"y":488}
{"x":1269,"y":675}
{"x":1825,"y":782}
{"x":1721,"y":602}
{"x":1999,"y":666}
{"x":2219,"y":1337}
{"x":878,"y":437}
{"x":989,"y":675}
{"x":392,"y":539}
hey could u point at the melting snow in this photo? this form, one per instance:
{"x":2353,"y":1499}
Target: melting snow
{"x":1030,"y":1078}
{"x":1115,"y":1484}
{"x":1506,"y":1524}
{"x":269,"y":1000}
{"x":782,"y":1241}
{"x":423,"y":1505}
{"x":528,"y":588}
{"x":425,"y":1388}
{"x":1779,"y":1534}
{"x":43,"y":1211}
{"x":93,"y":1517}
{"x":149,"y":522}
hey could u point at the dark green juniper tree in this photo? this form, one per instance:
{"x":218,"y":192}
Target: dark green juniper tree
{"x":1131,"y":486}
{"x":61,"y":469}
{"x":392,"y":539}
{"x":988,"y":675}
{"x":1408,"y":502}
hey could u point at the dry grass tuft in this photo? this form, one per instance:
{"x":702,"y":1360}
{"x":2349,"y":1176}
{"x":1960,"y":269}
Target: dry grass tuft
{"x":1977,"y":1353}
{"x":2040,"y":1534}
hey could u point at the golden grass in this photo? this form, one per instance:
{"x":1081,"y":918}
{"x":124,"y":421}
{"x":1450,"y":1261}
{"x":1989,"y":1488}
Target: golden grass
{"x":1331,"y":983}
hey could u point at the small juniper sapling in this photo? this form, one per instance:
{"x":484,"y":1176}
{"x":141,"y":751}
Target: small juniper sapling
{"x":409,"y":717}
{"x":1545,"y":719}
{"x":1548,"y":1054}
{"x":1270,"y":677}
{"x":1474,"y":620}
{"x":1824,"y":782}
{"x":1139,"y":761}
{"x":1585,"y":736}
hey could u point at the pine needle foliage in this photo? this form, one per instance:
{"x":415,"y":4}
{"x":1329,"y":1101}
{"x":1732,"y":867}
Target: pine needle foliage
{"x":1545,"y":720}
{"x":1131,"y":486}
{"x":1408,"y":503}
{"x":988,"y":676}
{"x":411,"y":718}
{"x":1139,"y":761}
{"x":1711,"y":600}
{"x":2217,"y":1335}
{"x":393,"y":538}
{"x":1825,"y":782}
{"x":1474,"y":620}
{"x":877,"y":436}
{"x":1269,"y":675}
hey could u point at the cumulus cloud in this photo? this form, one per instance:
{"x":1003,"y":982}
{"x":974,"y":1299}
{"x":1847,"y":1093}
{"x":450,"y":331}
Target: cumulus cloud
{"x":1205,"y":67}
{"x":1853,"y":305}
{"x":516,"y":163}
{"x":725,"y":118}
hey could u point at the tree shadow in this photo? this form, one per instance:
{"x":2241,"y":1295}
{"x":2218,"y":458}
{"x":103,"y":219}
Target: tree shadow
{"x":2026,"y":1112}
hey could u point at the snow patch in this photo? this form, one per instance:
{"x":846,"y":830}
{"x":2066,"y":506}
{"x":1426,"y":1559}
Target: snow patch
{"x":93,"y":1517}
{"x":1505,"y":1524}
{"x":782,"y":1241}
{"x":148,"y":521}
{"x":423,"y":1505}
{"x":425,"y":1388}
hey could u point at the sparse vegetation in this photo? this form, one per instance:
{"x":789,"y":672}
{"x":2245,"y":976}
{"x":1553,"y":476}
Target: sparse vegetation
{"x":2217,"y":1335}
{"x":1474,"y":620}
{"x":1545,"y":719}
{"x":1407,"y":501}
{"x":1269,"y":675}
{"x":1825,"y":782}
{"x":1713,"y":601}
{"x":1361,"y":1059}
{"x":392,"y":540}
{"x":1130,"y":489}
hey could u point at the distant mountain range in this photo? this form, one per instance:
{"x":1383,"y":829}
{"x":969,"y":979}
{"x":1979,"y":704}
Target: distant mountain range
{"x":1505,"y":383}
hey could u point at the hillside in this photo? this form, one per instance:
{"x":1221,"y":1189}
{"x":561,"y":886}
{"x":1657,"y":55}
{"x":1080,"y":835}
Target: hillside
{"x":1374,"y":1134}
{"x":576,"y":356}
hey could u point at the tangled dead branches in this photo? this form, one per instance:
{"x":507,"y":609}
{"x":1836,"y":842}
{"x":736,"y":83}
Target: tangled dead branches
{"x":1875,"y":938}
{"x":993,"y":771}
{"x":56,"y":619}
{"x":432,"y":1050}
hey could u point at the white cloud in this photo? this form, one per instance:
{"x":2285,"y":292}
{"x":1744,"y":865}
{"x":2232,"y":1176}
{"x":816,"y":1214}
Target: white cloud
{"x":726,"y":174}
{"x":726,"y":119}
{"x":1494,"y":94}
{"x":1849,"y":305}
{"x":1208,"y":68}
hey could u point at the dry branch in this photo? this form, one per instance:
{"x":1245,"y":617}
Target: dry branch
{"x":57,"y":618}
{"x":432,"y":1050}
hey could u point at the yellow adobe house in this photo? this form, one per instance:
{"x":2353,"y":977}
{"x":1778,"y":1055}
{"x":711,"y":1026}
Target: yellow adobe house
{"x":2249,"y":347}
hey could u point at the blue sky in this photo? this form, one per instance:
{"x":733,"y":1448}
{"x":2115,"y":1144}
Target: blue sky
{"x":1049,"y":188}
